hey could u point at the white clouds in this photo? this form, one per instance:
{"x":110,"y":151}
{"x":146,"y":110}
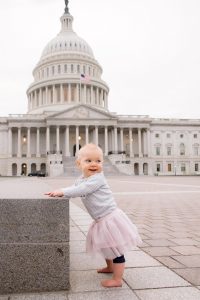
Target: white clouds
{"x":149,"y":51}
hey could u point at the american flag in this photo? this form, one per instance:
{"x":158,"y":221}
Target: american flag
{"x":85,"y":78}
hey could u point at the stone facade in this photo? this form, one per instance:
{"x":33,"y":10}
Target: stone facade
{"x":68,"y":107}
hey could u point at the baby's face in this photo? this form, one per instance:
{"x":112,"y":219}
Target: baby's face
{"x":90,"y":162}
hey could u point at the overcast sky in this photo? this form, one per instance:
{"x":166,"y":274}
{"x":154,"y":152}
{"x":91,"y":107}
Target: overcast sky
{"x":149,"y":51}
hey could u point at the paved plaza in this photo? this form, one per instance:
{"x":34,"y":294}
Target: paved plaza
{"x":166,"y":211}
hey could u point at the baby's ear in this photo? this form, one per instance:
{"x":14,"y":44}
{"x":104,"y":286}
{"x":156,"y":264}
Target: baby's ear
{"x":78,"y":163}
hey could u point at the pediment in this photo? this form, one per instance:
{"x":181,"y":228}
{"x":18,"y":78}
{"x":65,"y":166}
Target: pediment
{"x":84,"y":112}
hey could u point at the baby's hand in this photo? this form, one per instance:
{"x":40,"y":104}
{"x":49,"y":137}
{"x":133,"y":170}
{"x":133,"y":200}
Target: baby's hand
{"x":56,"y":193}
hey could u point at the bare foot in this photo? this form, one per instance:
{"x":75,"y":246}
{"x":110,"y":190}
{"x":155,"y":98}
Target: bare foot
{"x":111,"y":283}
{"x":105,"y":270}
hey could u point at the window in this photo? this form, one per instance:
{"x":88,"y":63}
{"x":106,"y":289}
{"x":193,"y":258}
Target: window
{"x":53,"y":70}
{"x":157,"y":135}
{"x":169,"y":151}
{"x":59,"y":69}
{"x":169,"y":167}
{"x":182,"y":167}
{"x":47,"y":72}
{"x":196,"y":148}
{"x":181,"y":136}
{"x":195,"y":136}
{"x":78,"y":68}
{"x":157,"y":150}
{"x":72,"y":68}
{"x":182,"y":149}
{"x":158,"y":168}
{"x":196,"y":167}
{"x":65,"y":68}
{"x":168,"y":135}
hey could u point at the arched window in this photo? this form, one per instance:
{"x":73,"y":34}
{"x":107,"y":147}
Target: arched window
{"x":157,"y":149}
{"x":182,"y":149}
{"x":169,"y":149}
{"x":196,"y":149}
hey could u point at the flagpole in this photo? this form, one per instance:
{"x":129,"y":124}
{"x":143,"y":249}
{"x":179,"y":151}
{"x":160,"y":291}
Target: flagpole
{"x":80,"y":88}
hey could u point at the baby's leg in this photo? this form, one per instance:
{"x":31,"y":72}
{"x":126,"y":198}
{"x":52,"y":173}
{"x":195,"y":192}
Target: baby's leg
{"x":118,"y":271}
{"x":108,"y":269}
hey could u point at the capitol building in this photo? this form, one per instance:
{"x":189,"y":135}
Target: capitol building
{"x":68,"y":107}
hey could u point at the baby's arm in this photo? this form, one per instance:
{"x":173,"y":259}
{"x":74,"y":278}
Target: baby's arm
{"x":87,"y":187}
{"x":56,"y":193}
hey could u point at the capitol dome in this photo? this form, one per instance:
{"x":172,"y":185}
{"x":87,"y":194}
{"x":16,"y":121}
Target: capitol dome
{"x":67,"y":74}
{"x":67,"y":40}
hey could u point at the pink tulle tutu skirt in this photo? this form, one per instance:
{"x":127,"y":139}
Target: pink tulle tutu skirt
{"x":111,"y":236}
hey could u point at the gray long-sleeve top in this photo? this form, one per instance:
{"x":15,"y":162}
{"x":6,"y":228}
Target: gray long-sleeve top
{"x":95,"y":195}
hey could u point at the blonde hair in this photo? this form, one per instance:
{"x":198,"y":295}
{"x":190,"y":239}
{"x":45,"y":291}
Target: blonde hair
{"x":87,"y":147}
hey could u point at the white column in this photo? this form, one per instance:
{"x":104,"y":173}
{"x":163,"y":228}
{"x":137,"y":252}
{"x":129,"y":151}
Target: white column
{"x":174,"y":144}
{"x":189,"y":147}
{"x":97,"y":95}
{"x":84,"y":94}
{"x":139,"y":143}
{"x":69,"y":93}
{"x":19,"y":143}
{"x":77,"y":92}
{"x":62,"y":93}
{"x":92,"y":94}
{"x":54,"y":94}
{"x":28,"y":142}
{"x":67,"y":141}
{"x":40,"y":96}
{"x":38,"y":143}
{"x":131,"y":142}
{"x":35,"y":98}
{"x":115,"y":139}
{"x":48,"y":139}
{"x":148,"y":143}
{"x":77,"y":140}
{"x":86,"y":134}
{"x":96,"y":135}
{"x":106,"y":141}
{"x":58,"y":139}
{"x":122,"y":139}
{"x":162,"y":133}
{"x":46,"y":95}
{"x":10,"y":142}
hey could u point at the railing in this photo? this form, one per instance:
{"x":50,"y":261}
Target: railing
{"x":116,"y":152}
{"x":54,"y":152}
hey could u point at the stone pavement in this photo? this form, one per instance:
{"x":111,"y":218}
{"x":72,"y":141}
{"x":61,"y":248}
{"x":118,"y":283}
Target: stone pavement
{"x":166,"y":211}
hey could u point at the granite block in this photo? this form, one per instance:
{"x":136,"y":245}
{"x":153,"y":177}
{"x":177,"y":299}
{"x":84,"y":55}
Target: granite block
{"x":34,"y":245}
{"x":34,"y":233}
{"x":34,"y":267}
{"x":33,"y":211}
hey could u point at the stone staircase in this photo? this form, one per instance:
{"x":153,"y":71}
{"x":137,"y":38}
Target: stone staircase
{"x":71,"y":170}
